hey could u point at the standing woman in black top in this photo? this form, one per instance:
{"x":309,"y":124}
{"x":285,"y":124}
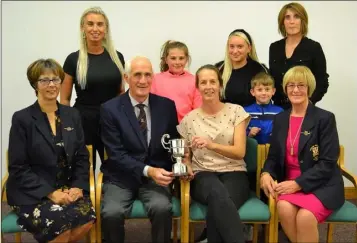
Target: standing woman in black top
{"x":240,"y":65}
{"x":295,"y":49}
{"x":96,"y":71}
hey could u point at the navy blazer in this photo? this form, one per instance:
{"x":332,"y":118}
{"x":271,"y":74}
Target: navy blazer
{"x":318,"y":155}
{"x":33,"y":159}
{"x":127,"y":150}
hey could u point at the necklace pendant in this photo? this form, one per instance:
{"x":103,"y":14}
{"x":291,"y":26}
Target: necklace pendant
{"x":291,"y":151}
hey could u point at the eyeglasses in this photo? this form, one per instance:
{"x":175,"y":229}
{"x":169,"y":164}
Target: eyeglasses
{"x":47,"y":81}
{"x":299,"y":86}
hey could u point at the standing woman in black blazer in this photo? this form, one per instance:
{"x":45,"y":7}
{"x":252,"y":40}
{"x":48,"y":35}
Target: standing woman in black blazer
{"x":96,"y":71}
{"x":238,"y":68}
{"x":303,"y":159}
{"x":296,"y":49}
{"x":48,"y":183}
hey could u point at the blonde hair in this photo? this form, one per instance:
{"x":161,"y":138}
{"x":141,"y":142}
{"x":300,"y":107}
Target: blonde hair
{"x":166,"y":47}
{"x":82,"y":64}
{"x":300,"y":11}
{"x":227,"y":63}
{"x":300,"y":74}
{"x":263,"y":79}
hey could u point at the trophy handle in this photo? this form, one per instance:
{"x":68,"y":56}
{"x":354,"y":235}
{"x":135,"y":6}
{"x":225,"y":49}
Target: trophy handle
{"x":165,"y":143}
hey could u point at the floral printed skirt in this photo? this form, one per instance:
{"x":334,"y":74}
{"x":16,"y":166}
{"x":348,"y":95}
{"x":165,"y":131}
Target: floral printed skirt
{"x":47,"y":220}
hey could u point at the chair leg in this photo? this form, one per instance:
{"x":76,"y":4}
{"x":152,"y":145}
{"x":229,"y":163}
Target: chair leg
{"x":88,"y":238}
{"x":184,"y":229}
{"x":174,"y":228}
{"x":98,"y":228}
{"x":192,"y":233}
{"x":18,"y":237}
{"x":92,"y":234}
{"x":268,"y":237}
{"x":329,"y":233}
{"x":98,"y":231}
{"x":255,"y":233}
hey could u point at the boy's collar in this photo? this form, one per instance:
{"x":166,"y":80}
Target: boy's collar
{"x":270,"y":102}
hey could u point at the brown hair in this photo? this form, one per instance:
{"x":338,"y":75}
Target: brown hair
{"x":300,"y":11}
{"x":39,"y":66}
{"x":166,"y":47}
{"x":263,"y":79}
{"x":216,"y":70}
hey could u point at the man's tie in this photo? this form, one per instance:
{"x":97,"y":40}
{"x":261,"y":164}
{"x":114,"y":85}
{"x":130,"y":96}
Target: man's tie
{"x":142,"y":121}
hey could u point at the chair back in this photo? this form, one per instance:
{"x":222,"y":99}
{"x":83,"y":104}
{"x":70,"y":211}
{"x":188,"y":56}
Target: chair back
{"x":251,"y":155}
{"x":3,"y":181}
{"x":90,"y":157}
{"x":341,"y":157}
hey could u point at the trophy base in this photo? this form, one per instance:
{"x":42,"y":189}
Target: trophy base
{"x":179,"y":169}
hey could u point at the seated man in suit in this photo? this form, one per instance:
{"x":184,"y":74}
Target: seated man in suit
{"x":138,"y":167}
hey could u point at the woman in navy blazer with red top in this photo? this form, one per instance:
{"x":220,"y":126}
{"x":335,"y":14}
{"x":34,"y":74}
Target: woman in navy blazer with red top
{"x":48,"y":183}
{"x":303,"y":158}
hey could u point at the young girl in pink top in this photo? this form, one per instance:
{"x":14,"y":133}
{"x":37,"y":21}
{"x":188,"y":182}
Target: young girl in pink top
{"x":174,"y":82}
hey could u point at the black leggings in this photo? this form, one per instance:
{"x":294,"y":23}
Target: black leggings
{"x":91,"y":127}
{"x":223,"y":193}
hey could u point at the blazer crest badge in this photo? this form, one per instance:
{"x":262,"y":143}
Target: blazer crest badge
{"x":315,"y":152}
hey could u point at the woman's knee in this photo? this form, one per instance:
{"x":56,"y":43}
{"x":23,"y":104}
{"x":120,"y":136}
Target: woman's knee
{"x":82,"y":229}
{"x":218,"y":192}
{"x":286,"y":210}
{"x":64,"y":237}
{"x":86,"y":227}
{"x":305,"y":219}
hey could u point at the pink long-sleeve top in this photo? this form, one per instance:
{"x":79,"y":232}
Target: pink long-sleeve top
{"x":179,"y":88}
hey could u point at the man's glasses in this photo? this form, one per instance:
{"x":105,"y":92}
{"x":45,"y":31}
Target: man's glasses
{"x":46,"y":81}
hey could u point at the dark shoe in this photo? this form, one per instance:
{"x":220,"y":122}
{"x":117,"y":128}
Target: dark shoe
{"x":203,"y":236}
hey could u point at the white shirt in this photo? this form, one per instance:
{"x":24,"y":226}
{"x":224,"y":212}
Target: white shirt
{"x":148,"y":120}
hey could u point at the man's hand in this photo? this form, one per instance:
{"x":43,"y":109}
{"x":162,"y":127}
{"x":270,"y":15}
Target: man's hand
{"x":59,"y":197}
{"x":254,"y":131}
{"x":160,"y":176}
{"x":287,"y":187}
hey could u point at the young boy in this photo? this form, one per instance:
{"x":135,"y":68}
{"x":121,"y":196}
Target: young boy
{"x":262,"y":111}
{"x":261,"y":123}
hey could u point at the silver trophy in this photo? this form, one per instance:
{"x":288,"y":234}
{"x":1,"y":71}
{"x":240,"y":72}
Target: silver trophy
{"x":177,"y":148}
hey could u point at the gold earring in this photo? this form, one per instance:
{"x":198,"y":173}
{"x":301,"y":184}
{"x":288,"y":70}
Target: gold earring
{"x":84,"y":35}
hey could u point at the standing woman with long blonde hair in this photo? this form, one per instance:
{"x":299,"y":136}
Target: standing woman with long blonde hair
{"x":239,"y":66}
{"x":96,"y":71}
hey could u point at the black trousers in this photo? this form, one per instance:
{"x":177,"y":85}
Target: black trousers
{"x":223,"y":193}
{"x":117,"y":204}
{"x":91,"y":127}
